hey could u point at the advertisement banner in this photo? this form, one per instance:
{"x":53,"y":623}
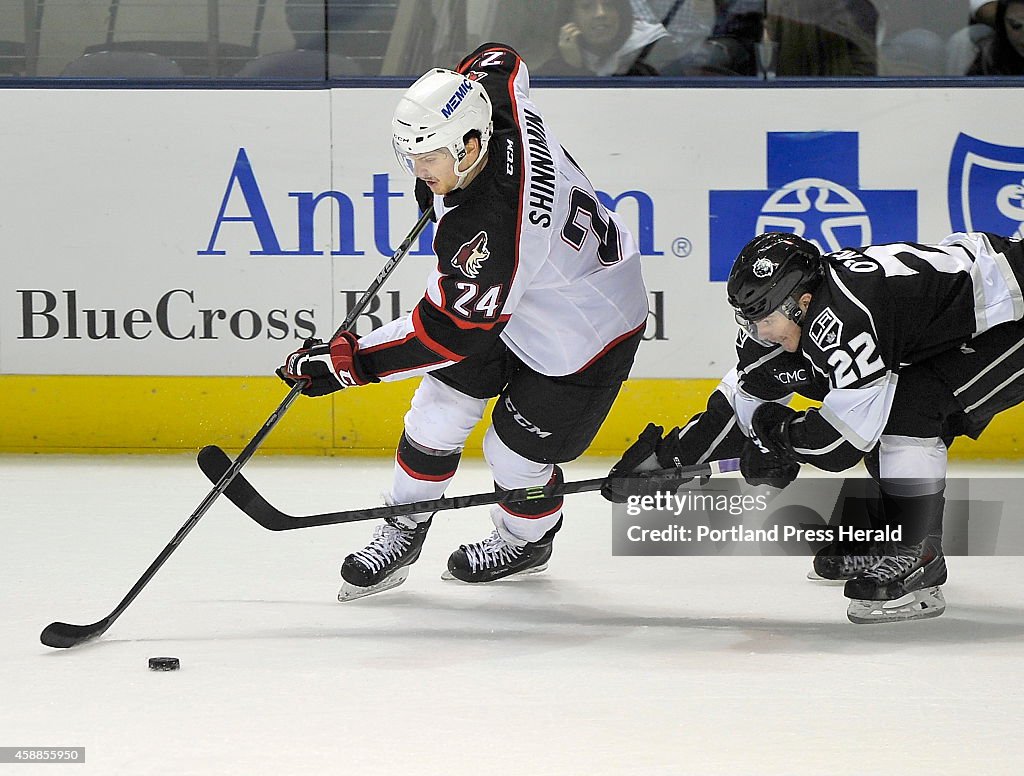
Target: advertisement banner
{"x":190,"y":232}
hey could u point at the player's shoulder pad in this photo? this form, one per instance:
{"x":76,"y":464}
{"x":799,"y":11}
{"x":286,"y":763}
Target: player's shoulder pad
{"x":855,"y":263}
{"x":489,"y":57}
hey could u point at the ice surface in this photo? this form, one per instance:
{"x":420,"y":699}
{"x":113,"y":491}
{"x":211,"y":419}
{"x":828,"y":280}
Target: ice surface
{"x":602,"y":665}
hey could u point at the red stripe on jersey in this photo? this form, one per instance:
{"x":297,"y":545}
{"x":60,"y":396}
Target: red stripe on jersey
{"x":384,"y":346}
{"x":426,"y":339}
{"x":440,"y":288}
{"x":611,"y":345}
{"x":420,"y":475}
{"x":522,"y":173}
{"x":389,"y":372}
{"x":391,"y":344}
{"x":550,"y":512}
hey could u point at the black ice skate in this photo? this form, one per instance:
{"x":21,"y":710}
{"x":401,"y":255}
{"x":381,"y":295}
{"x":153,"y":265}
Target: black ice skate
{"x":837,"y":562}
{"x":495,"y":558}
{"x":901,"y":586}
{"x":384,"y":562}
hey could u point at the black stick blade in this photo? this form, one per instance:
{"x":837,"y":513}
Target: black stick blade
{"x":214,"y":463}
{"x":61,"y":635}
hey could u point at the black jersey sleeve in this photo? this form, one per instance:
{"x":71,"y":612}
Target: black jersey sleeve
{"x":711,"y":435}
{"x":763,"y":373}
{"x":816,"y":441}
{"x":461,"y":312}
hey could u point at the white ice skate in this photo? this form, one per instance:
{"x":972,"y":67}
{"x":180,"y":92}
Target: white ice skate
{"x":350,"y":592}
{"x":495,"y":558}
{"x":902,"y":586}
{"x":384,"y":563}
{"x":918,"y":605}
{"x":447,"y":576}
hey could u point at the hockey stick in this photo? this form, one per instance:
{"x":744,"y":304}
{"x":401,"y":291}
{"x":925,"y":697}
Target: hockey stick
{"x":62,"y":635}
{"x":214,"y":462}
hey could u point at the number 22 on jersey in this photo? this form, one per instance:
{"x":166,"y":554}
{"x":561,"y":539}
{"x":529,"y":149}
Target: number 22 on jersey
{"x":858,"y":363}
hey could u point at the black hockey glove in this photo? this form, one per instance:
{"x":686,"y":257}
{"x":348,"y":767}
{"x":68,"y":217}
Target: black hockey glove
{"x":425,"y":198}
{"x":324,"y":369}
{"x":761,"y":468}
{"x":618,"y":486}
{"x":649,"y":452}
{"x":771,"y":427}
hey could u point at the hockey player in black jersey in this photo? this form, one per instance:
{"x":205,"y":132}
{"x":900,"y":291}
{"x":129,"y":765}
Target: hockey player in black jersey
{"x":537,"y":299}
{"x":911,"y":345}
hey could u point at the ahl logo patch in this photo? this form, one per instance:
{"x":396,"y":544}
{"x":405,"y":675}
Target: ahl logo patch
{"x":471,"y":255}
{"x":826,"y":330}
{"x":764,"y":268}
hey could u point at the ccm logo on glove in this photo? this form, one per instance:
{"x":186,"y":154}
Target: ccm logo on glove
{"x":323,"y":368}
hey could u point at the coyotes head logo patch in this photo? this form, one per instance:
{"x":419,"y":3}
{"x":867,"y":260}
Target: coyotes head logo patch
{"x":471,"y":255}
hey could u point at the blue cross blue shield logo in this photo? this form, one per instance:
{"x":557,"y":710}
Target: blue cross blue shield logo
{"x":813,"y":191}
{"x":986,"y":187}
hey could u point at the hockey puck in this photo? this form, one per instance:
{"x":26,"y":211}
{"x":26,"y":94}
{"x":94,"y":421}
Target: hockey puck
{"x":164,"y":664}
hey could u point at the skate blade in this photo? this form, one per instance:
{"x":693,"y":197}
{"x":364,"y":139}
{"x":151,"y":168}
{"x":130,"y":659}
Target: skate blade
{"x":351,"y":592}
{"x":814,"y":576}
{"x":447,"y":576}
{"x":919,"y":605}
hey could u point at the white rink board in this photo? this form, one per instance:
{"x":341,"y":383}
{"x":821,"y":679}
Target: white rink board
{"x":111,"y":203}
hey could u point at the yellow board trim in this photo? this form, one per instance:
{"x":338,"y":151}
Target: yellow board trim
{"x":85,"y":414}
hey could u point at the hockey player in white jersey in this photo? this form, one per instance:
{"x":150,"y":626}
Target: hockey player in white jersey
{"x":537,"y":299}
{"x":911,"y":346}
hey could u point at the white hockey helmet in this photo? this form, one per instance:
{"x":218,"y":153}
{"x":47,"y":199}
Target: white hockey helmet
{"x":438,"y":111}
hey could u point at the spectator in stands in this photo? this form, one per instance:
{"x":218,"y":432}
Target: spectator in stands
{"x":689,"y":22}
{"x":913,"y":35}
{"x":729,"y":49}
{"x":1003,"y":53}
{"x":602,"y":37}
{"x":825,"y":37}
{"x":964,"y":44}
{"x":984,"y":12}
{"x":915,"y":52}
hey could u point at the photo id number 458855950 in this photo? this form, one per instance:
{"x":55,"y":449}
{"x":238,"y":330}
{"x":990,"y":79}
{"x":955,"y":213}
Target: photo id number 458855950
{"x":42,"y":754}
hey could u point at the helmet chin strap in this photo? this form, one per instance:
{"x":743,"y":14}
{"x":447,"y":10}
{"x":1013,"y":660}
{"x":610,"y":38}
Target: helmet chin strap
{"x":463,"y":175}
{"x":791,"y":309}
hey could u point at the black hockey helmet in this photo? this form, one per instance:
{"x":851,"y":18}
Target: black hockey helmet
{"x":767,"y":272}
